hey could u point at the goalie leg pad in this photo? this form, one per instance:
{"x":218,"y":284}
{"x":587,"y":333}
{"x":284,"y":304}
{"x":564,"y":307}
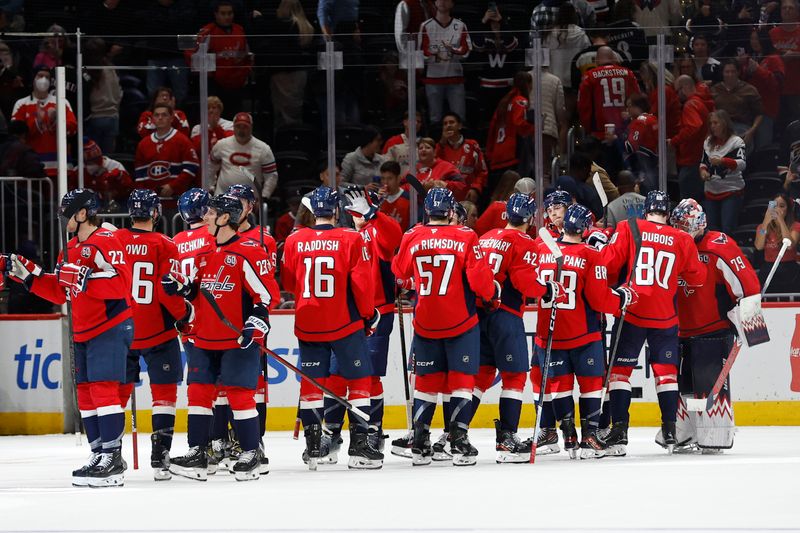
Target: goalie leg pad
{"x":715,"y":428}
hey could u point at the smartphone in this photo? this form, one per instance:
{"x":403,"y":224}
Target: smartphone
{"x":771,"y":204}
{"x":492,"y":6}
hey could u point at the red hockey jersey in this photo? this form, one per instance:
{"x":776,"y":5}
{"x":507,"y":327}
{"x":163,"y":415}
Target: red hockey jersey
{"x":467,"y":157}
{"x":501,"y":141}
{"x":449,"y":271}
{"x":145,"y":127}
{"x":150,"y":256}
{"x":170,"y":160}
{"x":584,"y":278}
{"x":643,"y":135}
{"x":496,"y":217}
{"x":238,"y":275}
{"x":40,"y":116}
{"x":328,"y":270}
{"x":193,"y":245}
{"x":511,"y":255}
{"x":666,"y":254}
{"x":728,"y":276}
{"x":602,"y":96}
{"x":272,"y":247}
{"x":234,"y":61}
{"x":398,"y":207}
{"x":444,"y":171}
{"x":382,"y":235}
{"x":107,"y":299}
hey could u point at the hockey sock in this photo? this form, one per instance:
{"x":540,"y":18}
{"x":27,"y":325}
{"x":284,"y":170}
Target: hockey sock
{"x":201,"y":396}
{"x":222,"y":413}
{"x":245,"y":416}
{"x":605,"y":416}
{"x":334,"y":411}
{"x":589,"y":401}
{"x":561,"y":393}
{"x":619,"y":388}
{"x":511,"y":400}
{"x":311,"y":404}
{"x":261,"y":404}
{"x":667,"y":390}
{"x":376,"y":404}
{"x":483,"y":381}
{"x":110,"y":416}
{"x":360,"y":391}
{"x":164,"y":398}
{"x":125,"y":390}
{"x":426,"y":390}
{"x":89,"y":417}
{"x":446,"y":411}
{"x":461,"y":388}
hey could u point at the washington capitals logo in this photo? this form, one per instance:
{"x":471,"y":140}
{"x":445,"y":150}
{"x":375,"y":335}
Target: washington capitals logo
{"x":218,"y":285}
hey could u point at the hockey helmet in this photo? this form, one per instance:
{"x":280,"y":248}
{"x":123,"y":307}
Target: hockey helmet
{"x":144,"y":203}
{"x":439,"y":202}
{"x":226,"y":203}
{"x":577,"y":219}
{"x":192,"y":205}
{"x":519,"y":208}
{"x":557,"y":197}
{"x":324,"y":201}
{"x":461,"y":213}
{"x":656,"y":202}
{"x":688,"y":216}
{"x":245,"y":192}
{"x":91,"y":205}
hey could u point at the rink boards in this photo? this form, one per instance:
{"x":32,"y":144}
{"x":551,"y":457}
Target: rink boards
{"x":31,"y":395}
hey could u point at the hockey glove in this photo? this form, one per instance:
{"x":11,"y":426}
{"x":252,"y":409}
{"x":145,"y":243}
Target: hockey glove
{"x":73,"y":277}
{"x":21,"y":269}
{"x":597,"y":239}
{"x":554,"y":293}
{"x":371,"y":324}
{"x":405,"y":284}
{"x":361,"y":204}
{"x":627,"y":296}
{"x":176,"y":283}
{"x":184,"y":324}
{"x":493,"y":304}
{"x":255,"y":330}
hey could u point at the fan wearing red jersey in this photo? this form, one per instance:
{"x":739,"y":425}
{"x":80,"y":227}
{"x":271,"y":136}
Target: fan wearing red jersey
{"x":706,"y":334}
{"x":236,"y":274}
{"x":603,"y":92}
{"x":151,"y":256}
{"x":577,"y":348}
{"x":328,"y":270}
{"x":447,"y":266}
{"x":511,"y":254}
{"x":95,"y":278}
{"x":665,"y":255}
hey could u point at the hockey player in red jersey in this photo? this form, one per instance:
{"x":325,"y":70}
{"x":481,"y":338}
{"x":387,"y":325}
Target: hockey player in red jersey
{"x":706,"y":334}
{"x":150,"y":256}
{"x":665,"y":255}
{"x":447,"y":266}
{"x":95,"y":278}
{"x":236,"y":276}
{"x":511,"y":254}
{"x":603,"y":93}
{"x":577,"y":350}
{"x":328,"y":269}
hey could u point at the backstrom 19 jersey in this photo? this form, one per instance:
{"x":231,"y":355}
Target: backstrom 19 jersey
{"x":585,"y":282}
{"x":666,"y":254}
{"x":328,"y":270}
{"x":448,"y":268}
{"x":150,"y":256}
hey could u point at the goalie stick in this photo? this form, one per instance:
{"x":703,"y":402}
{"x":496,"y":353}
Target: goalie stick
{"x":706,"y":404}
{"x":266,"y":351}
{"x":559,"y":257}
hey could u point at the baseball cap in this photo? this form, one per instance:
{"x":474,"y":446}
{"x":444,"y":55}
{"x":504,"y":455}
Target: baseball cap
{"x":525,"y":186}
{"x":243,"y":117}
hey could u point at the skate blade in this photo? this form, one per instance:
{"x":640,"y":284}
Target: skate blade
{"x":591,"y":453}
{"x":263,"y":469}
{"x":617,"y":450}
{"x":117,"y":480}
{"x":80,"y":481}
{"x":195,"y":474}
{"x":405,"y":453}
{"x":212,"y":469}
{"x":670,"y":449}
{"x":250,"y":475}
{"x":512,"y":457}
{"x":464,"y":460}
{"x":361,"y":463}
{"x":330,"y":459}
{"x":225,"y":465}
{"x":312,"y":463}
{"x":161,"y":474}
{"x":421,"y":460}
{"x":547,"y":449}
{"x":442,"y":456}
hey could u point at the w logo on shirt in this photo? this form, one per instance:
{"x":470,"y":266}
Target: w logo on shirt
{"x":497,"y":60}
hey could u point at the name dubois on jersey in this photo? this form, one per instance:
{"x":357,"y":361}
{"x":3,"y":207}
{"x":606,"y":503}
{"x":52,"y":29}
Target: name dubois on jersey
{"x":431,"y":244}
{"x":657,"y":238}
{"x":318,"y":246}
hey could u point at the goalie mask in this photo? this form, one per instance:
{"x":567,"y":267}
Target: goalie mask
{"x":688,"y":216}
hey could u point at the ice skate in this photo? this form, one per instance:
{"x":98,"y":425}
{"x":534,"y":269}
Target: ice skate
{"x":377,"y":438}
{"x":159,"y":458}
{"x":509,"y":448}
{"x":193,"y":465}
{"x":313,"y":435}
{"x":686,"y":446}
{"x":441,"y":448}
{"x":248,"y":465}
{"x":668,"y":434}
{"x":108,"y":472}
{"x":215,"y":454}
{"x":421,"y":451}
{"x":464,"y":453}
{"x":328,"y":449}
{"x":363,"y":456}
{"x":547,"y":443}
{"x":570,"y":437}
{"x":402,"y":447}
{"x":613,"y":441}
{"x":587,"y":449}
{"x":79,"y":476}
{"x":263,"y":468}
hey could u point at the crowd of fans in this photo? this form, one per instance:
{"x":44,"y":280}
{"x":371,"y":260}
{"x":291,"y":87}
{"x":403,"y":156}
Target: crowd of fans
{"x":732,"y":100}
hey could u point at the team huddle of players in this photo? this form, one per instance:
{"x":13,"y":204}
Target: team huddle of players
{"x":135,"y":293}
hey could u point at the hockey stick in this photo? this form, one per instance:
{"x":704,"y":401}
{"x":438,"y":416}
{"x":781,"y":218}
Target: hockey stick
{"x":134,"y":431}
{"x":297,"y":421}
{"x":601,"y":192}
{"x":414,"y":182}
{"x":700,"y":404}
{"x":401,"y":319}
{"x":559,"y":257}
{"x":338,"y":399}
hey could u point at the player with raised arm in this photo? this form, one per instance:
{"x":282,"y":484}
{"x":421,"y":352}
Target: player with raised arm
{"x":577,"y":349}
{"x":151,"y":256}
{"x":706,"y":334}
{"x":95,"y":278}
{"x":665,"y":254}
{"x":447,"y":266}
{"x":511,"y":254}
{"x":236,"y":274}
{"x":328,"y":270}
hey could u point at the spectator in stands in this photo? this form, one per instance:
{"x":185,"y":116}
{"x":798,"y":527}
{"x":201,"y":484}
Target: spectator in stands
{"x":706,"y":67}
{"x":115,"y":19}
{"x":408,"y":18}
{"x":578,"y":182}
{"x":51,"y":52}
{"x":741,"y":101}
{"x":786,"y":38}
{"x":508,"y":143}
{"x":641,"y":142}
{"x":105,"y":95}
{"x":165,"y":160}
{"x":164,"y":95}
{"x":545,"y":15}
{"x":653,"y":16}
{"x":285,"y":223}
{"x":778,"y":224}
{"x":396,"y":147}
{"x":704,"y":21}
{"x":464,"y":154}
{"x":430,"y":168}
{"x":395,"y":200}
{"x":167,"y":17}
{"x":106,"y":176}
{"x":362,"y":165}
{"x":495,"y":215}
{"x":763,"y":68}
{"x":17,"y":158}
{"x":243,"y":151}
{"x":38,"y":111}
{"x":555,"y":122}
{"x":472,"y":213}
{"x":648,"y":73}
{"x":592,"y":147}
{"x":565,"y":41}
{"x":629,"y":204}
{"x":444,"y":41}
{"x":12,"y":86}
{"x":218,"y":127}
{"x":688,"y":142}
{"x":228,"y":42}
{"x":721,"y":169}
{"x":789,"y":159}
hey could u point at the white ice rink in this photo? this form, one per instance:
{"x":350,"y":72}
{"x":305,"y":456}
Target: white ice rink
{"x":754,"y":487}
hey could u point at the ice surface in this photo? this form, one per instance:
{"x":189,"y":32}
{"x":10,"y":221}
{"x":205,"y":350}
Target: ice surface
{"x":756,"y":486}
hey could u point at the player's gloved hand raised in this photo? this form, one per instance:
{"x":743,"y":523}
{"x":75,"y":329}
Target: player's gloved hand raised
{"x":255,"y":330}
{"x":371,"y":324}
{"x":184,"y":324}
{"x":554,"y":293}
{"x":597,"y":239}
{"x":73,"y":277}
{"x":627,"y":295}
{"x":176,"y":283}
{"x":361,"y":204}
{"x":20,"y":268}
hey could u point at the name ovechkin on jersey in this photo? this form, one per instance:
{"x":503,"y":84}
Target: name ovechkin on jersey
{"x":191,"y":246}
